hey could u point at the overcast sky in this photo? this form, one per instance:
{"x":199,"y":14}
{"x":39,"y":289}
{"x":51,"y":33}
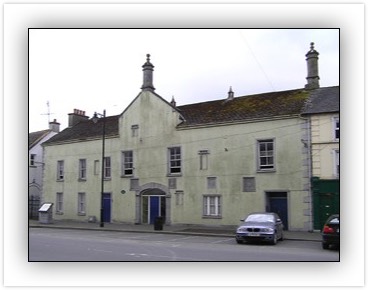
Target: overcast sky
{"x":93,"y":70}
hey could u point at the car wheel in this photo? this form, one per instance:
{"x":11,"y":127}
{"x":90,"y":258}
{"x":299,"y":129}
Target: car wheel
{"x":239,"y":241}
{"x":274,"y":240}
{"x":282,"y":236}
{"x":325,"y":245}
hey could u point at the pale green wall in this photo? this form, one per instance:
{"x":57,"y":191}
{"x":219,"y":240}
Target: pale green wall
{"x":232,"y":156}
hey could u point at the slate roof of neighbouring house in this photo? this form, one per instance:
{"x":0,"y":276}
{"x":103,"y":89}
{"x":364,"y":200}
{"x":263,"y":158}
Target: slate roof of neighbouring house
{"x":246,"y":108}
{"x":85,"y":130}
{"x":35,"y":137}
{"x":323,"y":100}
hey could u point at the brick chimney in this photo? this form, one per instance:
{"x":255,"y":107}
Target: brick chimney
{"x":54,"y":126}
{"x":148,"y":76}
{"x":312,"y":67}
{"x":76,"y":117}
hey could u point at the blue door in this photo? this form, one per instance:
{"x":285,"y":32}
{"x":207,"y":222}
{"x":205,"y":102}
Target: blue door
{"x":154,"y":208}
{"x":278,"y":204}
{"x":107,"y":207}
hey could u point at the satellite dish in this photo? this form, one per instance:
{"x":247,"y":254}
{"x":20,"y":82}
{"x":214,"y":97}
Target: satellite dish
{"x":123,"y":191}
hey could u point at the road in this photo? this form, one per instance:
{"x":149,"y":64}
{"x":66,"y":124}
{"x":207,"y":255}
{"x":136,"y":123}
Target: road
{"x":85,"y":245}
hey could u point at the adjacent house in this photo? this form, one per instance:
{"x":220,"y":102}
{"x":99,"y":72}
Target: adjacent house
{"x":323,"y":110}
{"x":35,"y":164}
{"x":206,"y":163}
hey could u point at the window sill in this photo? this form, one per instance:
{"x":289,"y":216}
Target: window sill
{"x":59,"y":180}
{"x":212,"y":217}
{"x":127,"y":176}
{"x":174,"y":174}
{"x":59,"y":213}
{"x":82,"y":179}
{"x":266,"y":170}
{"x":81,"y":213}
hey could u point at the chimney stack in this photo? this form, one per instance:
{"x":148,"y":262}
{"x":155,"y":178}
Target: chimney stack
{"x":230,"y":95}
{"x":76,"y":117}
{"x":173,"y":102}
{"x":148,"y":76}
{"x":54,"y":126}
{"x":312,"y":66}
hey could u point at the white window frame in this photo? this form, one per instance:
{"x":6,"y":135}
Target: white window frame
{"x":107,"y":167}
{"x":81,"y":203}
{"x":127,"y":163}
{"x":59,"y":206}
{"x":60,"y":170}
{"x":82,"y":169}
{"x":212,"y":206}
{"x":336,"y":128}
{"x":32,"y":160}
{"x":336,"y":169}
{"x":265,"y":155}
{"x":174,"y":160}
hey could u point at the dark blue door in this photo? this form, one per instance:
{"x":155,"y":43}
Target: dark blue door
{"x":154,"y":208}
{"x":279,"y":205}
{"x":107,"y":207}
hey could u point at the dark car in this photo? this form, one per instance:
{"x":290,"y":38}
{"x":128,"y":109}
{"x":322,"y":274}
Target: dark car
{"x":331,"y":232}
{"x":260,"y":226}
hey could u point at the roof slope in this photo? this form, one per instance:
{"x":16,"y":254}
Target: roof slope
{"x":244,"y":108}
{"x":35,"y":137}
{"x":87,"y":130}
{"x":323,"y":100}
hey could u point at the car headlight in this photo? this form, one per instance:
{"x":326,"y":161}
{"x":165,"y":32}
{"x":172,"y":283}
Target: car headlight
{"x":241,"y":230}
{"x":268,"y":230}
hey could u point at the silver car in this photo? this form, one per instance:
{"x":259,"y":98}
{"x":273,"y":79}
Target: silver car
{"x":260,"y":226}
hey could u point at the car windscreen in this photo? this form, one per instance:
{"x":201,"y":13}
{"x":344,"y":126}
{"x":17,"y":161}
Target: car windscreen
{"x":260,"y":218}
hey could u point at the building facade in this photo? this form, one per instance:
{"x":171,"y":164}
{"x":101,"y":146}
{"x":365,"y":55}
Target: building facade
{"x":207,"y":163}
{"x":35,"y":165}
{"x":323,"y":110}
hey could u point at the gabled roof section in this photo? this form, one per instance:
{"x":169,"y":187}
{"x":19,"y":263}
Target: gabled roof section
{"x":323,"y":100}
{"x":35,"y":137}
{"x":86,"y":130}
{"x":245,"y":108}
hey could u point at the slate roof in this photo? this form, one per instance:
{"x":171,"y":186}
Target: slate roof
{"x":246,"y":108}
{"x":85,"y":130}
{"x":323,"y":100}
{"x":35,"y":137}
{"x":239,"y":109}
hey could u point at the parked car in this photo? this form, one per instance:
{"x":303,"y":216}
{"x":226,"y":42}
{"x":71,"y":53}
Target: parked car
{"x":331,"y":232}
{"x":260,"y":226}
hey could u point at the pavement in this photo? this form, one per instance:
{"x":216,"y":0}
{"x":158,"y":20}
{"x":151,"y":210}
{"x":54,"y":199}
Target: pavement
{"x":195,"y":230}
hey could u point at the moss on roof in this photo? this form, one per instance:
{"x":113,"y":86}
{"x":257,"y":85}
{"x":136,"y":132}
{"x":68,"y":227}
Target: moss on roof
{"x":245,"y":108}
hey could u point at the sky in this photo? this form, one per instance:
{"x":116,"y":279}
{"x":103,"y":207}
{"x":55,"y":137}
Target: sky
{"x":101,"y":69}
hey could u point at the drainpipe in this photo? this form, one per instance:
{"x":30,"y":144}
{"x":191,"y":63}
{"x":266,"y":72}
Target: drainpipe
{"x":307,"y":144}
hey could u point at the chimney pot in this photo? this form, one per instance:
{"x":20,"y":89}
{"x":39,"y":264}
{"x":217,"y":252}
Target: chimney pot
{"x":77,"y":117}
{"x":312,"y":68}
{"x":230,"y":94}
{"x":148,"y":75}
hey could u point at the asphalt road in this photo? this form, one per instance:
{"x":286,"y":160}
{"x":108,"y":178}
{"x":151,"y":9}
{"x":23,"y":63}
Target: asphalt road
{"x":85,"y":245}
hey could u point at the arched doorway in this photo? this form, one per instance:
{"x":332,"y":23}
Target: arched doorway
{"x":152,"y":201}
{"x":153,"y":205}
